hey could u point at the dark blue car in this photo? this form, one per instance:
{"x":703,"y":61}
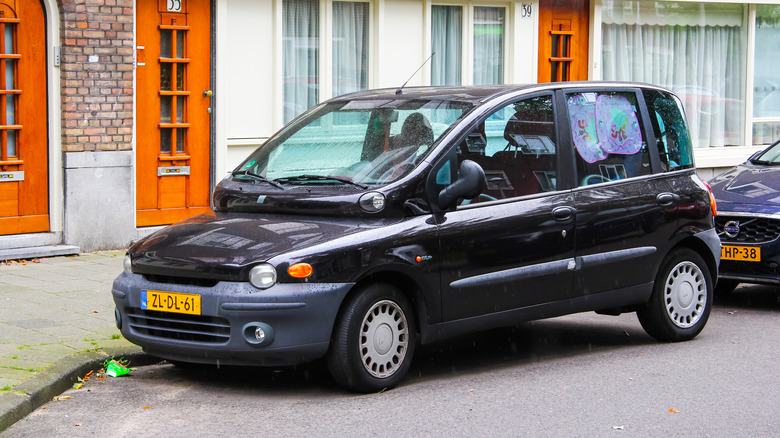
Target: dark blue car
{"x":748,"y":221}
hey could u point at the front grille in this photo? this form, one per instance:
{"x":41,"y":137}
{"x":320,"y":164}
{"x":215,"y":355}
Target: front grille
{"x":197,"y":328}
{"x":751,"y":229}
{"x":187,"y":281}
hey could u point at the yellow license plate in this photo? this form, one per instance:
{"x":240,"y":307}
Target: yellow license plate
{"x":170,"y":302}
{"x":742,"y":253}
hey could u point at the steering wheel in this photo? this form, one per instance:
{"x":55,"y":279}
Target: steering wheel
{"x":599,"y":179}
{"x":480,"y":198}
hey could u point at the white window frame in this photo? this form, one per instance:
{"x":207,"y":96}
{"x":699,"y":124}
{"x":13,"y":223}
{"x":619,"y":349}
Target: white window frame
{"x":467,"y":45}
{"x":705,"y":157}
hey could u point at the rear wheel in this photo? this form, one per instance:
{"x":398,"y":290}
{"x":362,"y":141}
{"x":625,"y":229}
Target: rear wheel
{"x":373,"y":341}
{"x":681,"y":300}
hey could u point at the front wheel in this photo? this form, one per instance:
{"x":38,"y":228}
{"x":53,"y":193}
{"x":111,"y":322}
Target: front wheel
{"x":373,"y":340}
{"x":681,"y":300}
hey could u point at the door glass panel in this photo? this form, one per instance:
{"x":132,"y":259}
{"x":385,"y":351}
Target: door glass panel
{"x":607,"y":133}
{"x":165,"y":43}
{"x":165,"y":77}
{"x":180,"y":71}
{"x":180,"y":140}
{"x":165,"y":140}
{"x":180,"y":44}
{"x":516,"y":146}
{"x":165,"y":109}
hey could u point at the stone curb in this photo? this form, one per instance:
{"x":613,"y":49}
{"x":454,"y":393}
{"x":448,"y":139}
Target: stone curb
{"x":56,"y":379}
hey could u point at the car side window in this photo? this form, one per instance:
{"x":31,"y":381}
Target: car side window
{"x":607,"y":132}
{"x":516,"y":148}
{"x":670,"y":129}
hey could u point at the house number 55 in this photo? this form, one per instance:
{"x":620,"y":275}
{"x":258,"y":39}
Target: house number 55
{"x":174,"y":5}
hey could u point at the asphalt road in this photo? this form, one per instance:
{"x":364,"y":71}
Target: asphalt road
{"x":580,"y":375}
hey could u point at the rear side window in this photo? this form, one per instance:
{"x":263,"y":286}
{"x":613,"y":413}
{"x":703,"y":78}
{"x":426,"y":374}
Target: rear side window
{"x":671,"y":130}
{"x":607,"y":132}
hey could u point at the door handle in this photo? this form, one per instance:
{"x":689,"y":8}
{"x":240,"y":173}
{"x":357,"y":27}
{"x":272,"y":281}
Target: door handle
{"x":563,"y":213}
{"x":665,"y":199}
{"x":208,"y":93}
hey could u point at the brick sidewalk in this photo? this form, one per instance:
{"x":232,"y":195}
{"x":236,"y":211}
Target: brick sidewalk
{"x":52,"y":308}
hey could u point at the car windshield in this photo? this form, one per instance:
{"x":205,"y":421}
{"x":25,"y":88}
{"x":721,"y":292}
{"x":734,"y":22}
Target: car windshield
{"x":769,"y":156}
{"x":358,"y":142}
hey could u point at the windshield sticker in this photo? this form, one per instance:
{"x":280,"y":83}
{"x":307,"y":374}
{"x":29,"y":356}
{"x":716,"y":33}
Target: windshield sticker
{"x":618,"y":128}
{"x":582,"y":115}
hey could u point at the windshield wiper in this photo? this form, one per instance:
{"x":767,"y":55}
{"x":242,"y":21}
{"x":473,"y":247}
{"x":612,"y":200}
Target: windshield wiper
{"x":304,"y":178}
{"x":257,"y":177}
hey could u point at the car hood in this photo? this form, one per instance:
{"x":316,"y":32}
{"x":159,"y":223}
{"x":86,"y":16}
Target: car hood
{"x":748,"y":188}
{"x":224,"y":246}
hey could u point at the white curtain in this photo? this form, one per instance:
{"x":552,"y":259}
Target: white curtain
{"x":704,"y":65}
{"x":447,"y":39}
{"x":766,"y":82}
{"x":488,"y":45}
{"x":350,"y":47}
{"x":300,"y":54}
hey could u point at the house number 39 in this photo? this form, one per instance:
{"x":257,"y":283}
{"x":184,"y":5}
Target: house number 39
{"x":525,"y":10}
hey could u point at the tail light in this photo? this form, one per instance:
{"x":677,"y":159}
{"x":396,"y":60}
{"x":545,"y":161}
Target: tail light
{"x":713,"y":204}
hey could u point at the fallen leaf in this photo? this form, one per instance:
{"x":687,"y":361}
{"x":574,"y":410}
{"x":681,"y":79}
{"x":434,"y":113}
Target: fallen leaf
{"x":78,"y":385}
{"x":674,"y":411}
{"x":95,"y":311}
{"x":61,"y":397}
{"x":77,"y":424}
{"x":147,"y":407}
{"x":44,"y":407}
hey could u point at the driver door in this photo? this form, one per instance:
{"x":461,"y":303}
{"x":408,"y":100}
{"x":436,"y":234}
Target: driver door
{"x":513,"y":245}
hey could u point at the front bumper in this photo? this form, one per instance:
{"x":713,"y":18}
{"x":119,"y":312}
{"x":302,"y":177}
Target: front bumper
{"x":300,"y":315}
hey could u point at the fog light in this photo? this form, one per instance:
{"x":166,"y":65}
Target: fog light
{"x":262,"y":276}
{"x":118,"y":318}
{"x":258,"y":333}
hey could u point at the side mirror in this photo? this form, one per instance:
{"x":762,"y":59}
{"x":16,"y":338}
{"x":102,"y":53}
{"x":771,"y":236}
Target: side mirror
{"x":471,"y":181}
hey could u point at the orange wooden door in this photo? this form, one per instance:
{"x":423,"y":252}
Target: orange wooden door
{"x":563,"y":40}
{"x":173,"y":116}
{"x":24,"y":166}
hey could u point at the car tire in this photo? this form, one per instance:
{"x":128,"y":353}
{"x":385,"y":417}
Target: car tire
{"x":373,"y":341}
{"x":725,"y":286}
{"x":681,"y":300}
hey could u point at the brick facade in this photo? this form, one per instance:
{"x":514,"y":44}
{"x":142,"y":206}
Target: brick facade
{"x":96,"y":69}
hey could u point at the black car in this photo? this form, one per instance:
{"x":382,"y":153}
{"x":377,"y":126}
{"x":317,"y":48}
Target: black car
{"x":748,"y":222}
{"x":383,"y":219}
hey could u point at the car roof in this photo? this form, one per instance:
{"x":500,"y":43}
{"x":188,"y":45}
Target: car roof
{"x":481,"y":93}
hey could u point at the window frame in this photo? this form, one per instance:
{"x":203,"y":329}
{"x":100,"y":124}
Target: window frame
{"x":467,"y":35}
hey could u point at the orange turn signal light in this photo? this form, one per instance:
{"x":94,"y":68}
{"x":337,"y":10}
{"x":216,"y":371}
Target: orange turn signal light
{"x":300,"y":270}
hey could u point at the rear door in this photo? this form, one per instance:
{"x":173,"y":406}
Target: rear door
{"x":625,"y":213}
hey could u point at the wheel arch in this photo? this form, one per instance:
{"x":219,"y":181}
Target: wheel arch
{"x":407,"y":285}
{"x":700,"y":247}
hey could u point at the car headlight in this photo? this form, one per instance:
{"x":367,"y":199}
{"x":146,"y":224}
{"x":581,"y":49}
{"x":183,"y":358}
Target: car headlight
{"x":128,"y":265}
{"x":262,"y":276}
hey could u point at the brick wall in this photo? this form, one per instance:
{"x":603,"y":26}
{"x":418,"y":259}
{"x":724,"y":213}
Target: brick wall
{"x":96,"y":68}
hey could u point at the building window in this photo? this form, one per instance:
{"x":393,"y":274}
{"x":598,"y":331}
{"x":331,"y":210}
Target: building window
{"x":446,"y":43}
{"x":350,"y":47}
{"x":766,"y":81}
{"x":300,"y":55}
{"x":489,"y":25}
{"x":695,"y":49}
